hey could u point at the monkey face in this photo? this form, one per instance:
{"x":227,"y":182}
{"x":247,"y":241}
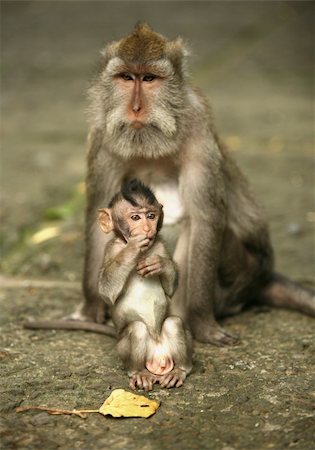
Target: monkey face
{"x":139,"y":95}
{"x":142,"y":221}
{"x":130,"y":221}
{"x":143,"y":96}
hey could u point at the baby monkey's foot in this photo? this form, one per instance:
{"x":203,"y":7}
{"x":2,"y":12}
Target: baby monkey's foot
{"x":175,"y":378}
{"x":142,"y":380}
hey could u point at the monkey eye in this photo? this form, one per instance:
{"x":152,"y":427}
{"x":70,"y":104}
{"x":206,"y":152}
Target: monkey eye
{"x":126,"y":76}
{"x":151,"y":216}
{"x":135,"y":217}
{"x":149,"y":77}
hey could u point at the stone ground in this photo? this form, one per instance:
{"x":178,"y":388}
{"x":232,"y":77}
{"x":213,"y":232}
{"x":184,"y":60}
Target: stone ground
{"x":255,"y":62}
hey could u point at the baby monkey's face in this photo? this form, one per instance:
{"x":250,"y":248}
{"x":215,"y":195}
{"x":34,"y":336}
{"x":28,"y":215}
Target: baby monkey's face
{"x":142,"y":220}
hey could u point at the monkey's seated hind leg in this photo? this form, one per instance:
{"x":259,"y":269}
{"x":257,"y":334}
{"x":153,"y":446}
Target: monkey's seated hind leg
{"x":132,"y":348}
{"x":179,"y":342}
{"x":165,"y":359}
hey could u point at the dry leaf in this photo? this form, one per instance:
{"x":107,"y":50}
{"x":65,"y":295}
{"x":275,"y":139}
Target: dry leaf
{"x":119,"y":404}
{"x":126,"y":404}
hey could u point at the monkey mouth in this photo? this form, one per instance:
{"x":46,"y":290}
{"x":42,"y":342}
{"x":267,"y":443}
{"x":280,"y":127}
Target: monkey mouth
{"x":137,"y":124}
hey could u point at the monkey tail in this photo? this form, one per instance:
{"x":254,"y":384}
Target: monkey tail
{"x":281,"y":292}
{"x":70,"y":325}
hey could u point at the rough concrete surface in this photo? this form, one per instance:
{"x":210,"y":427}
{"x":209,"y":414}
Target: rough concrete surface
{"x":255,"y":62}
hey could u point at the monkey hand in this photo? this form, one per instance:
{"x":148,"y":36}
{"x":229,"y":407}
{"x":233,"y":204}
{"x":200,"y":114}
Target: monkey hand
{"x":138,"y":244}
{"x":142,"y":380}
{"x":153,"y":265}
{"x":175,"y":378}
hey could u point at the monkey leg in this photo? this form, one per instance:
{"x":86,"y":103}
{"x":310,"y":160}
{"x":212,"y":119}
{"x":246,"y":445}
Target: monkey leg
{"x":241,"y":275}
{"x":94,"y":307}
{"x":179,"y":343}
{"x":132,"y":349}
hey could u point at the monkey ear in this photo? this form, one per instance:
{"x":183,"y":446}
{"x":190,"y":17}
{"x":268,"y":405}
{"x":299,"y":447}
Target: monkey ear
{"x":177,"y":51}
{"x":110,"y":51}
{"x":105,"y":220}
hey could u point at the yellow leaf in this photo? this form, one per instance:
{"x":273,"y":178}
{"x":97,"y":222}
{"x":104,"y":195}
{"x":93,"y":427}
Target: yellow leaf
{"x":126,"y":404}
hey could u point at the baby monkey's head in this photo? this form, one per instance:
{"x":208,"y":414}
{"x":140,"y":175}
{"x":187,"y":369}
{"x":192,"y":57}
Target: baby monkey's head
{"x":134,"y":210}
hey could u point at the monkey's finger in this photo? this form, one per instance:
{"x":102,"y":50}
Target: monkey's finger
{"x":143,"y":244}
{"x":137,"y":237}
{"x":148,"y":261}
{"x":144,"y":270}
{"x":156,"y":271}
{"x":156,"y":268}
{"x":145,"y":262}
{"x":147,"y":383}
{"x":165,"y":380}
{"x":132,"y":383}
{"x":180,"y":383}
{"x":172,"y":382}
{"x":139,"y":381}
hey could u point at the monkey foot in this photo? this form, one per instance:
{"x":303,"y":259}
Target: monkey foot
{"x":175,"y":378}
{"x":216,"y":335}
{"x":142,"y":380}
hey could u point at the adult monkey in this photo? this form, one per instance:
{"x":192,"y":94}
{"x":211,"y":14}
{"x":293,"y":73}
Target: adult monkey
{"x":149,"y":122}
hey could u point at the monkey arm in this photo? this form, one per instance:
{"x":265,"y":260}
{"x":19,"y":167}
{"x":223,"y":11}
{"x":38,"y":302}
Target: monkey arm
{"x":119,"y":261}
{"x":112,"y":279}
{"x":206,"y":205}
{"x":169,"y":276}
{"x":102,"y":182}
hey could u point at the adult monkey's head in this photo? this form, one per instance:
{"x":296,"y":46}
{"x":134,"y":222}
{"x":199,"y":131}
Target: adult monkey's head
{"x":138,"y":95}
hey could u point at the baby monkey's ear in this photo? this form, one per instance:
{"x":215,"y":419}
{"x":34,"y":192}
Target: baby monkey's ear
{"x":106,"y":220}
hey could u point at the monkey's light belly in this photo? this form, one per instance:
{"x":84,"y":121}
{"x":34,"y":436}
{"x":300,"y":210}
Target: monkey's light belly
{"x":144,"y":300}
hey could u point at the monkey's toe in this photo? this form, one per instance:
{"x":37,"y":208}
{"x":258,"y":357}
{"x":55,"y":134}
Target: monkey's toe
{"x":142,"y":380}
{"x":217,"y":336}
{"x":175,"y":378}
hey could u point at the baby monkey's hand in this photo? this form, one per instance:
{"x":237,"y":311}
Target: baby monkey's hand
{"x":153,"y":265}
{"x":138,"y":243}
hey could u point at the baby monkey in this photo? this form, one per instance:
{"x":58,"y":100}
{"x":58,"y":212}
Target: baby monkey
{"x":137,"y":280}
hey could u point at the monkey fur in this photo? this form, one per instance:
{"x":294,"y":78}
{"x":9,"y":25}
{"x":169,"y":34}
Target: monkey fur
{"x":137,"y":280}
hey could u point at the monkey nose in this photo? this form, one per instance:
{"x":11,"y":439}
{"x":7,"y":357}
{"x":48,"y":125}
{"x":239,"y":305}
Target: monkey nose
{"x":136,"y":108}
{"x":146,"y":228}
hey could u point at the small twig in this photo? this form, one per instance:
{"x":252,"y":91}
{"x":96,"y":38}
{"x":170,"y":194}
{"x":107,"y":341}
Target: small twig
{"x":80,"y":413}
